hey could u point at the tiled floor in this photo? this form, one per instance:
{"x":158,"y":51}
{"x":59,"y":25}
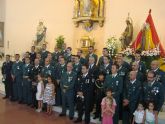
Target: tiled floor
{"x":13,"y":113}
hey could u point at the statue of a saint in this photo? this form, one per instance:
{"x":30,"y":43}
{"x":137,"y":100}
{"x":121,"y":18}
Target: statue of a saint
{"x":41,"y":33}
{"x":127,"y":35}
{"x":87,"y":8}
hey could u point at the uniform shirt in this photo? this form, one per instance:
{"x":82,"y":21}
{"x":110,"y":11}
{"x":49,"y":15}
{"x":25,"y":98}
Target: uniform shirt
{"x":85,"y":84}
{"x":44,"y":54}
{"x":60,"y":69}
{"x":32,"y":57}
{"x":93,"y":71}
{"x":36,"y":69}
{"x":48,"y":70}
{"x":77,"y":68}
{"x":67,"y":81}
{"x":106,"y":69}
{"x":27,"y":69}
{"x":55,"y":56}
{"x":6,"y":68}
{"x":68,"y":57}
{"x":17,"y":69}
{"x":116,"y":83}
{"x":132,"y":93}
{"x":160,"y":76}
{"x":154,"y":93}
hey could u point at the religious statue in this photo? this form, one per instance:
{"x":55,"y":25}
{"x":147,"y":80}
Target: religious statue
{"x":41,"y":33}
{"x":88,"y":11}
{"x":146,"y":41}
{"x":127,"y":35}
{"x":40,"y":36}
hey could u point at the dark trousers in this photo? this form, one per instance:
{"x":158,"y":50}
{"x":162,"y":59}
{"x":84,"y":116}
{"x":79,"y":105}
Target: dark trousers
{"x":68,"y":99}
{"x":128,"y":113}
{"x":9,"y":87}
{"x":99,"y":97}
{"x":17,"y":89}
{"x":27,"y":91}
{"x":58,"y":96}
{"x":84,"y":106}
{"x":34,"y":91}
{"x":116,"y":115}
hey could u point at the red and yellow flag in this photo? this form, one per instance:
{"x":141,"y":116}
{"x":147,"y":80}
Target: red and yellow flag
{"x":147,"y":38}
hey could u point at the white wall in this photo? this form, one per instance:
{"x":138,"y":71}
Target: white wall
{"x":2,"y":10}
{"x":22,"y":16}
{"x":117,"y":11}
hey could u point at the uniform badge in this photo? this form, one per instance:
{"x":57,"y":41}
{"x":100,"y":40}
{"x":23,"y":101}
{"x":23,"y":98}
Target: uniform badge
{"x":87,"y":81}
{"x":18,"y":67}
{"x":69,"y":79}
{"x":117,"y":83}
{"x":49,"y":72}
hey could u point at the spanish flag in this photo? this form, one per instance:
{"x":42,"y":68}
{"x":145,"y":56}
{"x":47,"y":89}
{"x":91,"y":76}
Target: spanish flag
{"x":147,"y":38}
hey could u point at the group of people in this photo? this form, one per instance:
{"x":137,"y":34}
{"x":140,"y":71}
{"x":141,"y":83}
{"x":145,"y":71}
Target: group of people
{"x":110,"y":88}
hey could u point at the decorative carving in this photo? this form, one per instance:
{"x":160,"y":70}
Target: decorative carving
{"x":88,"y":12}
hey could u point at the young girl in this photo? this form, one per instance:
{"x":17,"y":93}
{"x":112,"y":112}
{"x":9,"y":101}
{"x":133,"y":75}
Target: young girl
{"x":39,"y":94}
{"x":49,"y":95}
{"x":150,"y":116}
{"x":138,"y":114}
{"x":108,"y":105}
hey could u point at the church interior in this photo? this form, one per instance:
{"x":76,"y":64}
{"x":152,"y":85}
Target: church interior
{"x":121,"y":26}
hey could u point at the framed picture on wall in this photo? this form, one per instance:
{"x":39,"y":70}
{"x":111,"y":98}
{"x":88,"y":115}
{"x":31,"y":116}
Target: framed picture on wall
{"x":1,"y":34}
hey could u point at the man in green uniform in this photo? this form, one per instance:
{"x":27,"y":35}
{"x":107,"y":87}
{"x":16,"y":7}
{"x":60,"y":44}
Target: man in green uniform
{"x":67,"y":84}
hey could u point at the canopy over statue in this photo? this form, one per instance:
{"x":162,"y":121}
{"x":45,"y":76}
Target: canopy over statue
{"x":88,"y":11}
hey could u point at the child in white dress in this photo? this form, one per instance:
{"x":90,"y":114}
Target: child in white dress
{"x":40,"y":93}
{"x":150,"y":116}
{"x":138,"y":115}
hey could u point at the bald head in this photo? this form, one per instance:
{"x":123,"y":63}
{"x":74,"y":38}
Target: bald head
{"x":132,"y":75}
{"x":91,"y":60}
{"x":154,"y":64}
{"x":135,"y":66}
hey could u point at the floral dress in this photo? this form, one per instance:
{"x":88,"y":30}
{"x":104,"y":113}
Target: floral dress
{"x":48,"y":94}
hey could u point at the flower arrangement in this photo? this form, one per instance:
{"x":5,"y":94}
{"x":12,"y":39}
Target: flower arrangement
{"x":112,"y":46}
{"x":152,"y":52}
{"x":128,"y":51}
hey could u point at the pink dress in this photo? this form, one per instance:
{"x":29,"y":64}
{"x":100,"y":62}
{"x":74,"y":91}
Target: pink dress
{"x":107,"y":115}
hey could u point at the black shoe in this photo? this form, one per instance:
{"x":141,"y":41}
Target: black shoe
{"x":71,"y":118}
{"x":20,"y":102}
{"x":28,"y":104}
{"x":78,"y":121}
{"x":62,"y":114}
